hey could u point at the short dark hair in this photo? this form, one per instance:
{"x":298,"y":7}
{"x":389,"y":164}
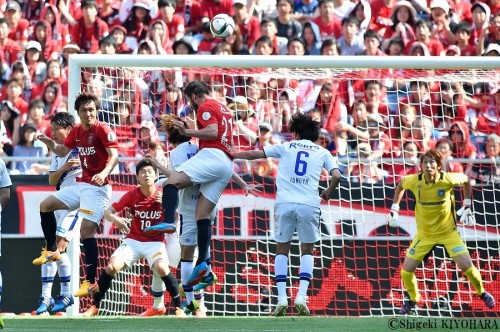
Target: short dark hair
{"x":63,"y":119}
{"x":350,"y":19}
{"x":432,"y":153}
{"x":165,"y":3}
{"x":370,"y":82}
{"x":445,"y":141}
{"x":141,"y":164}
{"x":295,"y":39}
{"x":265,"y":40}
{"x":423,"y":22}
{"x":290,"y":2}
{"x":196,"y":87}
{"x":371,"y":34}
{"x":36,"y":103}
{"x":321,"y":2}
{"x":84,"y":98}
{"x":108,"y":40}
{"x":305,"y":126}
{"x":329,"y":42}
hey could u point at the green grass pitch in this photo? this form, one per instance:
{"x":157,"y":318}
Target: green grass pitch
{"x":262,"y":324}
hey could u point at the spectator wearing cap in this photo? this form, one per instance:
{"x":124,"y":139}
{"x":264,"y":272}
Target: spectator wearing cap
{"x":350,"y":43}
{"x":286,"y":25}
{"x":312,"y":38}
{"x":88,"y":30}
{"x":210,"y":8}
{"x":488,"y":171}
{"x":245,"y":125}
{"x":60,"y":31}
{"x":363,"y":13}
{"x":329,"y":25}
{"x":452,"y":50}
{"x":158,"y":34}
{"x":10,"y":48}
{"x":381,"y":15}
{"x":139,"y":20}
{"x":403,"y":19}
{"x":490,"y":35}
{"x":13,"y":91}
{"x":423,"y":34}
{"x":43,"y":35}
{"x":268,"y":29}
{"x":36,"y":67}
{"x":249,"y":25}
{"x":304,"y":10}
{"x":371,"y":40}
{"x":68,"y":49}
{"x":492,"y":50}
{"x":11,"y":117}
{"x":28,"y":147}
{"x":442,"y":25}
{"x":480,"y":21}
{"x":193,"y":15}
{"x":462,"y":33}
{"x":175,"y":22}
{"x":19,"y":27}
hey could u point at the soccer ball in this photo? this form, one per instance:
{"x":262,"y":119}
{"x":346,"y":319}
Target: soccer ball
{"x":222,"y":25}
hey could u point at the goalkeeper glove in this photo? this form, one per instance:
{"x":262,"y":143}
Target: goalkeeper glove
{"x":465,"y":213}
{"x":392,"y":218}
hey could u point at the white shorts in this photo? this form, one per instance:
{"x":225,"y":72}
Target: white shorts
{"x":68,"y":223}
{"x":91,"y":201}
{"x":188,"y":228}
{"x":211,"y":169}
{"x":130,"y":251}
{"x":289,"y":217}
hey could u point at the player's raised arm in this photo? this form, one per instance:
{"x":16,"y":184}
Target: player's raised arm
{"x":120,"y":223}
{"x":164,"y":170}
{"x":250,"y":188}
{"x":392,"y":218}
{"x":59,"y":149}
{"x":250,"y":155}
{"x":208,"y":133}
{"x":334,"y":182}
{"x":100,"y":178}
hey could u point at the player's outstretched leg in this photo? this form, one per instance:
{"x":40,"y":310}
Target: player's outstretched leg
{"x":204,"y":239}
{"x":209,"y":279}
{"x":281,"y":268}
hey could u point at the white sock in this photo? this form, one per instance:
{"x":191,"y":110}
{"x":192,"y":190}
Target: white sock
{"x":280,"y":273}
{"x":157,"y":289}
{"x":64,"y":270}
{"x":49,"y":270}
{"x":186,"y":270}
{"x":306,"y":270}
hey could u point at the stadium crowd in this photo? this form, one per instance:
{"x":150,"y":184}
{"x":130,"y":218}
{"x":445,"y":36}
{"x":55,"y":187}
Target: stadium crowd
{"x":363,"y":120}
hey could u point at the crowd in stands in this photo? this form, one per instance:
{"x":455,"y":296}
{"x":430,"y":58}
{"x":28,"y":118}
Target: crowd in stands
{"x":370,"y":124}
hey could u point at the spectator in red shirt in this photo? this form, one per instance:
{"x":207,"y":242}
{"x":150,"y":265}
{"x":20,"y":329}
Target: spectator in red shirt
{"x":139,"y":20}
{"x":488,"y":120}
{"x":214,"y":7}
{"x":119,"y":33}
{"x":381,"y":15}
{"x":462,"y":9}
{"x":268,"y":29}
{"x":43,"y":35}
{"x":463,"y":148}
{"x":51,"y":98}
{"x":88,"y":30}
{"x":442,"y":25}
{"x":480,"y":21}
{"x":421,"y":132}
{"x":490,"y":35}
{"x":13,"y":91}
{"x":54,"y":74}
{"x":209,"y":41}
{"x":329,"y":25}
{"x":11,"y":118}
{"x":249,"y":24}
{"x":423,"y":32}
{"x":36,"y":67}
{"x":410,"y":165}
{"x":158,"y":33}
{"x":371,"y":41}
{"x":445,"y":147}
{"x":60,"y":32}
{"x":9,"y":49}
{"x":374,"y":96}
{"x":21,"y":73}
{"x":363,"y":13}
{"x":192,"y":13}
{"x":175,"y":22}
{"x":18,"y":26}
{"x":379,"y":140}
{"x":109,"y":13}
{"x":32,"y":9}
{"x":37,"y":116}
{"x":462,"y":33}
{"x":403,"y":19}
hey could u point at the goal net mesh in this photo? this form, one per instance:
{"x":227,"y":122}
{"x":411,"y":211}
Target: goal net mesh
{"x":358,"y":259}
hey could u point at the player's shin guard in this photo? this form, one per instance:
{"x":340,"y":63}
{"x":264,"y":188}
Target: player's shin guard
{"x":281,"y":268}
{"x":49,"y":227}
{"x":475,"y":279}
{"x":173,"y":289}
{"x":91,"y":258}
{"x":410,"y":282}
{"x":169,"y":202}
{"x":204,"y":239}
{"x":104,"y":284}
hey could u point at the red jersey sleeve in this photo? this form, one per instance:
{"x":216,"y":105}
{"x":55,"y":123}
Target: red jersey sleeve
{"x":207,"y":115}
{"x":125,"y":201}
{"x":108,"y":137}
{"x":70,"y":140}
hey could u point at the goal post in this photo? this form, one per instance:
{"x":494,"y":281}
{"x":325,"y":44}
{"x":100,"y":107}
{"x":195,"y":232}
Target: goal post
{"x":358,"y":259}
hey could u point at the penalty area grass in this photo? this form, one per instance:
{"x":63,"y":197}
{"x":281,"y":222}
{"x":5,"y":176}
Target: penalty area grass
{"x":212,"y":324}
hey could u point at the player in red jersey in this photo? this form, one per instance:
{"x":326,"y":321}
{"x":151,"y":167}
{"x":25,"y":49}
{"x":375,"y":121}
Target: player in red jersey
{"x":144,"y":203}
{"x":98,"y":153}
{"x":211,"y":168}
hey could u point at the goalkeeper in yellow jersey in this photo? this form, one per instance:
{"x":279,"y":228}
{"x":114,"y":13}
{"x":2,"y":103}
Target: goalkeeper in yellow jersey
{"x":436,"y":224}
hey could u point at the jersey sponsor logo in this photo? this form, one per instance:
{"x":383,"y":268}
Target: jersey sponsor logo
{"x":111,"y":137}
{"x":87,"y":212}
{"x":206,"y":115}
{"x":157,"y":254}
{"x":431,"y":203}
{"x":88,"y":151}
{"x":412,"y":251}
{"x":148,"y":214}
{"x":441,"y":192}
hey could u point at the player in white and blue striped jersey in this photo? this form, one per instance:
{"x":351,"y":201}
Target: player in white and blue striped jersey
{"x":62,"y":173}
{"x":297,"y":206}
